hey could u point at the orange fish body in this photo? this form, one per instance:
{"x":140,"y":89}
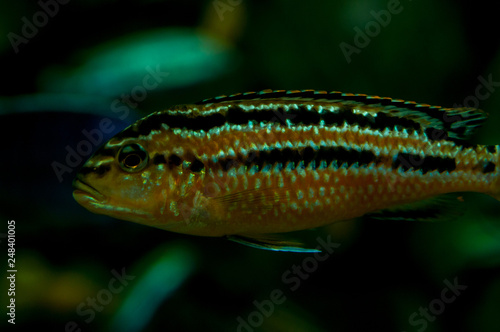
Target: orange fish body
{"x":280,"y":161}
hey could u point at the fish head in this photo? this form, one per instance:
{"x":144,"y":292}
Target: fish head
{"x":120,"y":180}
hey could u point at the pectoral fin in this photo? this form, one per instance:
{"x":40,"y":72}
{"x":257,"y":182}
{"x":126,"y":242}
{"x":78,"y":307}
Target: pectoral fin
{"x":271,"y":242}
{"x":252,"y":201}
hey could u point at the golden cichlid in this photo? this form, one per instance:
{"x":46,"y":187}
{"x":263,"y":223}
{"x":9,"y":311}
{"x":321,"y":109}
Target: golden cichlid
{"x":258,"y":163}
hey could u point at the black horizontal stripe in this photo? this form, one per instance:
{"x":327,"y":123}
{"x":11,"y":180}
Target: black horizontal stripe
{"x":159,"y":159}
{"x":379,"y":122}
{"x":491,"y":149}
{"x":228,"y":163}
{"x":100,"y":170}
{"x":237,"y":115}
{"x":174,"y":160}
{"x":489,"y":168}
{"x":408,"y":162}
{"x":108,"y":152}
{"x":315,"y":158}
{"x":196,"y":165}
{"x":300,"y":116}
{"x":333,"y":96}
{"x":173,"y":120}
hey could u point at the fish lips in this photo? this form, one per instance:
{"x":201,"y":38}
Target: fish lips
{"x":84,"y":191}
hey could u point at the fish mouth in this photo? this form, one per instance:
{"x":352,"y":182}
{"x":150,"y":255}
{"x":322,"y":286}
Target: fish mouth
{"x":82,"y":189}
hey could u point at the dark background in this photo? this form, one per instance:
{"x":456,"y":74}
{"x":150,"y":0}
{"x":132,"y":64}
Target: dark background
{"x":79,"y":60}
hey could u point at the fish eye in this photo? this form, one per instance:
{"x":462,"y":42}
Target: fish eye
{"x":133,"y":158}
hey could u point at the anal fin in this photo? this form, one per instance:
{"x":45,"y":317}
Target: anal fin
{"x":439,"y":208}
{"x":272,"y":242}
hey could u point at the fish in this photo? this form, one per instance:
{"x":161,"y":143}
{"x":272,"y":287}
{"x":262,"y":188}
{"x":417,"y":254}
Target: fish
{"x":255,"y":167}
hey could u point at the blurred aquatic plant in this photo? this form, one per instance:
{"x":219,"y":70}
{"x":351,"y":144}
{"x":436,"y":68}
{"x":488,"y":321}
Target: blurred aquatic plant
{"x":485,"y":316}
{"x":174,"y":57}
{"x":160,"y":275}
{"x":54,"y":102}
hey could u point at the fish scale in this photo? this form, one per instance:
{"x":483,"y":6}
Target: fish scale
{"x":278,"y":161}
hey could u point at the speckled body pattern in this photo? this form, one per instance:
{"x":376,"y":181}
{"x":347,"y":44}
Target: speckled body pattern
{"x":281,"y":161}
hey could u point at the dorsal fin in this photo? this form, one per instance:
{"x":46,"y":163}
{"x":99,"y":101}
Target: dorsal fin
{"x":305,"y":95}
{"x":437,"y":122}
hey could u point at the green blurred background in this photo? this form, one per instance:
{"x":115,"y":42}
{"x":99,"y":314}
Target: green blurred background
{"x":68,"y":65}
